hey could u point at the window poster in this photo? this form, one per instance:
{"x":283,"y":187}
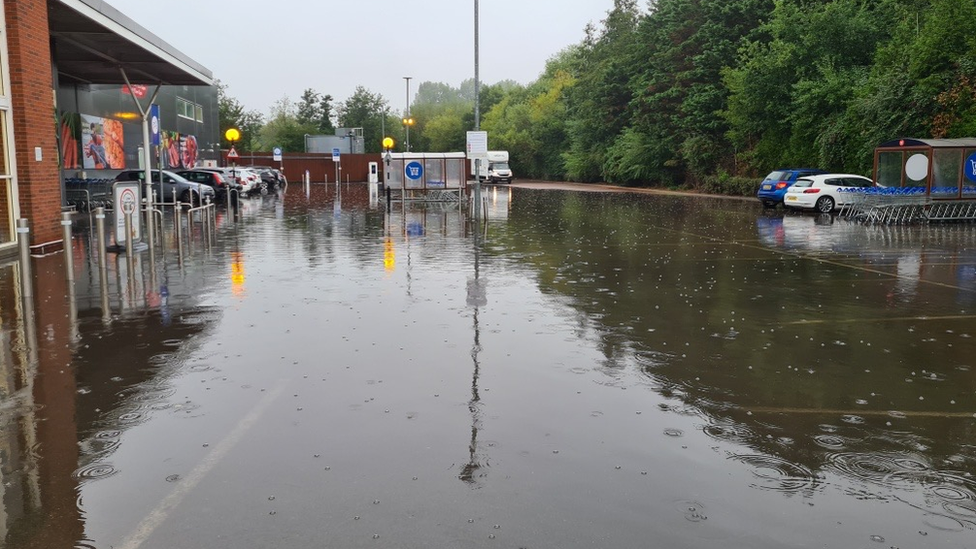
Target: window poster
{"x":179,"y":150}
{"x":102,"y":143}
{"x":70,"y":140}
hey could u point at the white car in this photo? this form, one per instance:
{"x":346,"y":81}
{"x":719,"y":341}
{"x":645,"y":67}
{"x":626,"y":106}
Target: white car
{"x":824,"y":192}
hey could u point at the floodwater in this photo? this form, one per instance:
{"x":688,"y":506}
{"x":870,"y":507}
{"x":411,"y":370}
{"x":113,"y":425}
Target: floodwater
{"x":585,"y":369}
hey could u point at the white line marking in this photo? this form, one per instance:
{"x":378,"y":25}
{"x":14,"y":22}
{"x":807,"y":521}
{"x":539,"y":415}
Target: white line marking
{"x":158,"y":515}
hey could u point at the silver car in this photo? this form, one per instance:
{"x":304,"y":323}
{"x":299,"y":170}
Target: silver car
{"x":186,"y":191}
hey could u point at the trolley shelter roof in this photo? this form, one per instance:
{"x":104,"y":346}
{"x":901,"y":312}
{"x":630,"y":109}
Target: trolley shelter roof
{"x":963,"y":143}
{"x":92,"y":41}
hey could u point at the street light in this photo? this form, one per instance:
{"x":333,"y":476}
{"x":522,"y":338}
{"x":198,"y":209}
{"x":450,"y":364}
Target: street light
{"x":407,"y":121}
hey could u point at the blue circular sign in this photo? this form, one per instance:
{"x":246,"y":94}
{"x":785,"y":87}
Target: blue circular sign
{"x":970,"y":167}
{"x":414,"y":170}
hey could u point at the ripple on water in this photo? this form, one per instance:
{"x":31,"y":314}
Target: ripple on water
{"x":693,"y":511}
{"x":130,"y":418}
{"x":652,"y":359}
{"x":779,"y":475}
{"x":830,"y":442}
{"x":94,"y":471}
{"x":728,"y":431}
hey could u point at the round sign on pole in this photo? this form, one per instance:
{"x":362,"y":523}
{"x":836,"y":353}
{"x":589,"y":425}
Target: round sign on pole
{"x":128,"y":201}
{"x":414,"y":170}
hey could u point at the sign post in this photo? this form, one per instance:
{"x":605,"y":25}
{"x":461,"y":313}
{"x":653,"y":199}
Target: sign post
{"x":477,"y":149}
{"x":127,"y":196}
{"x":336,"y":153}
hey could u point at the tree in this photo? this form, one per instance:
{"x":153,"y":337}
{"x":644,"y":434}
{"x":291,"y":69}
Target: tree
{"x":284,"y":129}
{"x":231,"y":114}
{"x":365,"y":110}
{"x":309,"y":108}
{"x":325,"y":124}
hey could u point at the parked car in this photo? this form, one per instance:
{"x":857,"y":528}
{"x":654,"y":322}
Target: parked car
{"x":221,"y":183}
{"x":249,"y":178}
{"x":824,"y":192}
{"x":186,"y":191}
{"x":772,"y":189}
{"x":269,"y":181}
{"x":235,"y":175}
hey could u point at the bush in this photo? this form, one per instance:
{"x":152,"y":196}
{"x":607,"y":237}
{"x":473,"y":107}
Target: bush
{"x":729,"y":185}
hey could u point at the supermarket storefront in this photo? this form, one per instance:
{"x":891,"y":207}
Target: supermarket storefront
{"x":82,"y":62}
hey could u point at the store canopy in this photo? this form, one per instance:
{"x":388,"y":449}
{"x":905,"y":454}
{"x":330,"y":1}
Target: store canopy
{"x":92,"y":41}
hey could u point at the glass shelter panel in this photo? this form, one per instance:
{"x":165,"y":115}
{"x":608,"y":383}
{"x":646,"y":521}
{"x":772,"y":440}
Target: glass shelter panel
{"x":455,"y":173}
{"x":434,"y":171}
{"x":413,"y":173}
{"x":395,"y":180}
{"x":890,"y":168}
{"x":946,"y":166}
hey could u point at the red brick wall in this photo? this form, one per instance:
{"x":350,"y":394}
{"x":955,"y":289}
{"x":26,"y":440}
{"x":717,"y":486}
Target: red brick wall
{"x":32,"y":98}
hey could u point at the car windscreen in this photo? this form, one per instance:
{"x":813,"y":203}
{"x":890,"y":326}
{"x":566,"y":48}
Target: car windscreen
{"x":800,"y":183}
{"x":777,"y":176}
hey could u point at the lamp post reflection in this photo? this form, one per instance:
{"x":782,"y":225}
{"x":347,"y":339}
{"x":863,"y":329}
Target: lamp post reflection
{"x":477,"y":298}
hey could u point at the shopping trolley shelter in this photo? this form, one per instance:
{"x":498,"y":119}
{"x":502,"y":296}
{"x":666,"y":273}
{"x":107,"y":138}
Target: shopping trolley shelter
{"x":919,"y":180}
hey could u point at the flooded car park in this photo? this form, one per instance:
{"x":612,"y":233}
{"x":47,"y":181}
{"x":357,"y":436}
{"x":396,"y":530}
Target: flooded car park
{"x":579,"y":369}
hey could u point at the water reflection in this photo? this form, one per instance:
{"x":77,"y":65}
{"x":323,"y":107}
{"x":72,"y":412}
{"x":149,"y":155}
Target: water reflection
{"x":652,"y":362}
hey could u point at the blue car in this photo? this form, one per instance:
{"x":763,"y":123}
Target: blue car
{"x":773,"y":187}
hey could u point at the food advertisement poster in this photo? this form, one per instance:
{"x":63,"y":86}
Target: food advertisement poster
{"x":179,"y":150}
{"x":70,"y":135}
{"x":102,"y":143}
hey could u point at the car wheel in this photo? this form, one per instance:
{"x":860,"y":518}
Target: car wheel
{"x":189,"y":197}
{"x":825,"y":204}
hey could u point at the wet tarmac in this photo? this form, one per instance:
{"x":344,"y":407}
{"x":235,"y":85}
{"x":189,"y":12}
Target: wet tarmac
{"x":584,"y":369}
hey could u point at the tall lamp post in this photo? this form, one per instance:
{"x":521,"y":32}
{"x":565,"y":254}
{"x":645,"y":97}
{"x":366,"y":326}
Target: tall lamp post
{"x":407,"y":120}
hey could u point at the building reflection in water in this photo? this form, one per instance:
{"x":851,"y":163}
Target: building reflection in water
{"x":61,"y":409}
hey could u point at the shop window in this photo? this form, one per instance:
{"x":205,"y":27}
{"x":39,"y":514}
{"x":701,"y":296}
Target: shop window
{"x":7,"y":234}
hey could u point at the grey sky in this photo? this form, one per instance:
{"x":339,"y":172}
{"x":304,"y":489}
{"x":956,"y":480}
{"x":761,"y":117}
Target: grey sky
{"x":264,"y":50}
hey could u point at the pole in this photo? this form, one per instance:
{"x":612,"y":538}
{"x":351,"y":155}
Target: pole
{"x":406,"y":123}
{"x":69,"y":260}
{"x":130,"y":256}
{"x":477,"y":115}
{"x":23,"y":239}
{"x":477,"y":83}
{"x":102,"y":260}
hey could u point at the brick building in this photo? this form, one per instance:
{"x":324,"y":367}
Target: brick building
{"x":73,"y":58}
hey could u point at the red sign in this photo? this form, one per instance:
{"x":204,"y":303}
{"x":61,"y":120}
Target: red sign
{"x":137,"y":90}
{"x":232,"y":153}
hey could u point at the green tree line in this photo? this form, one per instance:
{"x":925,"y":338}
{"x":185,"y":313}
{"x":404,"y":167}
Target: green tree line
{"x":690,"y":92}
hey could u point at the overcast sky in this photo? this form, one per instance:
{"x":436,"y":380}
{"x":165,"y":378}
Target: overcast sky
{"x":264,"y":50}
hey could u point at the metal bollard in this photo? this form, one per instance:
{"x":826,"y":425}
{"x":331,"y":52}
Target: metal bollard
{"x":207,"y":222}
{"x":69,"y":260}
{"x":23,"y":239}
{"x":130,"y":256}
{"x":102,"y":260}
